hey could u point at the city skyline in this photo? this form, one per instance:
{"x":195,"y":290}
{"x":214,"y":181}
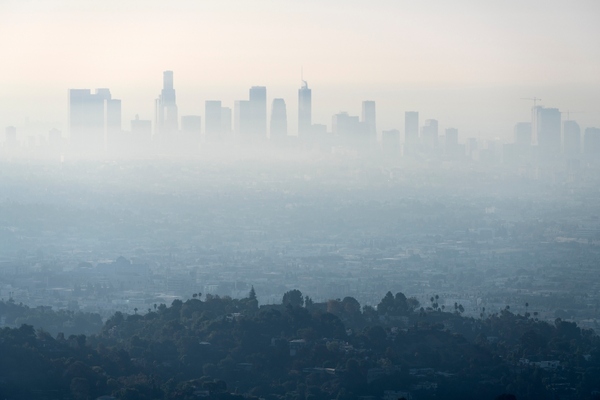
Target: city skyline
{"x":358,"y":109}
{"x":465,"y":64}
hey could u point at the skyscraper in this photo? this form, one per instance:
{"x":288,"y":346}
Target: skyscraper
{"x":411,"y":132}
{"x":429,"y":134}
{"x":451,"y":142}
{"x":278,"y":128}
{"x":591,"y":143}
{"x":166,"y":107}
{"x":522,"y":133}
{"x":141,"y":134}
{"x":547,"y":131}
{"x":258,"y":111}
{"x":571,"y":139}
{"x":91,"y":117}
{"x":242,"y":119}
{"x":213,"y":125}
{"x":369,"y":117}
{"x":304,"y":109}
{"x":350,"y":131}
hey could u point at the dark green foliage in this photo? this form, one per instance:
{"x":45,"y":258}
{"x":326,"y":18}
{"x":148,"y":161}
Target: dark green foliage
{"x":293,"y":298}
{"x":224,"y":348}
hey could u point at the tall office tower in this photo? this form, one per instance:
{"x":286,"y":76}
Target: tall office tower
{"x":390,"y":142}
{"x":369,"y":117}
{"x":92,"y":117}
{"x":114,"y":135}
{"x":258,"y":111}
{"x":411,"y":127}
{"x":242,"y":120}
{"x":522,"y":134}
{"x":350,"y":131}
{"x":141,"y":134}
{"x":213,"y":125}
{"x":226,"y":128}
{"x":571,"y":139}
{"x":278,"y":128}
{"x":547,"y":131}
{"x":411,"y":132}
{"x":344,"y":125}
{"x":591,"y":143}
{"x":166,"y":107}
{"x":429,"y":134}
{"x":304,"y":109}
{"x":451,"y":142}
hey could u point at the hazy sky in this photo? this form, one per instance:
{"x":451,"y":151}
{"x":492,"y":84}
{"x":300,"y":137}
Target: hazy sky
{"x":467,"y":63}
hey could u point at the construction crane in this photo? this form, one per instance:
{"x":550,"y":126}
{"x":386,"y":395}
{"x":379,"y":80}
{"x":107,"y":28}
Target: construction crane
{"x":534,"y":99}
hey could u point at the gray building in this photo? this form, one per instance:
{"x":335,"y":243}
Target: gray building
{"x":278,"y":126}
{"x":93,"y":117}
{"x":304,"y":109}
{"x":166,"y":107}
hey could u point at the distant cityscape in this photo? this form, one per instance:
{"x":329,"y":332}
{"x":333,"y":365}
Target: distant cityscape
{"x":96,"y":129}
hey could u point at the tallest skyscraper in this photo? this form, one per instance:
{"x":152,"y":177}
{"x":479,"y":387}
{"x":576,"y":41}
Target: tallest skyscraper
{"x":304,"y":109}
{"x":166,"y":107}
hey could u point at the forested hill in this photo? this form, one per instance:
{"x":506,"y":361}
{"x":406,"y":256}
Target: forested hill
{"x":223,"y":348}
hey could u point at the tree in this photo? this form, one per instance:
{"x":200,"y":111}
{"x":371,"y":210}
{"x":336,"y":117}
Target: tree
{"x":252,"y":294}
{"x":308,"y":302}
{"x":293,"y":298}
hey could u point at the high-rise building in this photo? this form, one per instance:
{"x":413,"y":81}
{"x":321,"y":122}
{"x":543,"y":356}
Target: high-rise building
{"x":591,"y":143}
{"x":258,"y":111}
{"x":411,"y":127}
{"x":278,"y":128}
{"x":242,"y":120}
{"x":93,"y":116}
{"x":344,"y":124}
{"x":166,"y":107}
{"x":411,"y":132}
{"x":369,"y":117}
{"x":522,"y":134}
{"x":213,"y":125}
{"x":451,"y":141}
{"x":141,"y":133}
{"x":571,"y":139}
{"x":547,"y":133}
{"x":350,"y":131}
{"x":429,"y":134}
{"x":304,"y":109}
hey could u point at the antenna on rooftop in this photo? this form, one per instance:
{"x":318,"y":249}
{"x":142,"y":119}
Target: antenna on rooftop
{"x":304,"y":83}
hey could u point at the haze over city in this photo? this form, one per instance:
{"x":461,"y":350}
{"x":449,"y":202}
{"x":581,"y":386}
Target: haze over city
{"x":464,"y":63}
{"x":299,"y":200}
